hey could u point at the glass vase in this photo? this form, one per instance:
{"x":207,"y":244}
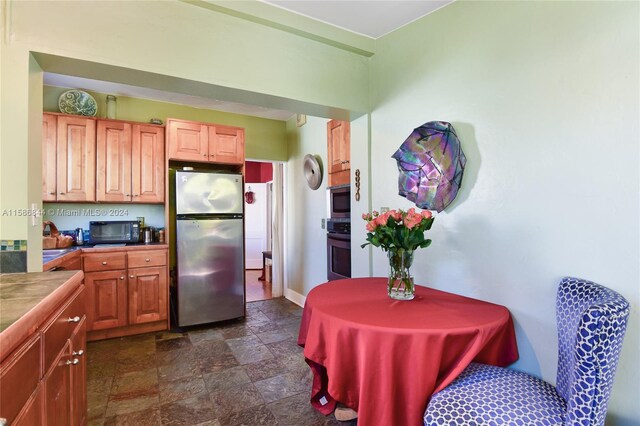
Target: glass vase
{"x":400,"y":285}
{"x":111,"y":107}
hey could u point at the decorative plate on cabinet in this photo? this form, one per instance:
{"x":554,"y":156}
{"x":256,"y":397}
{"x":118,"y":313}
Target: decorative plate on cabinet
{"x":77,"y":102}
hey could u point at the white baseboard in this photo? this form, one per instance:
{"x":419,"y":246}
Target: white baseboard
{"x":295,"y":297}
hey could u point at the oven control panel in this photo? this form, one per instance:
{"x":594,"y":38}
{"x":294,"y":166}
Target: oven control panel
{"x":338,"y":226}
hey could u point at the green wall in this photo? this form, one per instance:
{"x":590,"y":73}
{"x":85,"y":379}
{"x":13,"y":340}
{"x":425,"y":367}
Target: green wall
{"x":170,"y":45}
{"x":265,"y":139}
{"x":545,"y":99}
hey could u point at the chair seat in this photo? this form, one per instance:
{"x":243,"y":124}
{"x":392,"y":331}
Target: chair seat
{"x":488,"y":395}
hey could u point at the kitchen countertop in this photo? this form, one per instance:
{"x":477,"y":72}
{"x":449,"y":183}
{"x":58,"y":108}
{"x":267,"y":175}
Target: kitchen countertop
{"x":53,"y":261}
{"x":27,"y":299}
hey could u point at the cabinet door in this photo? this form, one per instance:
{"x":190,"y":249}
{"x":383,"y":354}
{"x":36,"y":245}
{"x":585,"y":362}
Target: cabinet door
{"x":338,"y":134}
{"x":49,"y":137}
{"x":147,"y":294}
{"x":32,"y":412}
{"x":79,"y":374}
{"x":187,"y":140}
{"x":57,"y":385}
{"x":106,"y":299}
{"x":226,"y":144}
{"x":76,"y":161}
{"x":147,"y":164}
{"x":19,"y":377}
{"x":113,"y":166}
{"x":338,"y":141}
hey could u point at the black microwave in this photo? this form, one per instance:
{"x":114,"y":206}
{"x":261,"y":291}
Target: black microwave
{"x":339,"y":201}
{"x":116,"y":231}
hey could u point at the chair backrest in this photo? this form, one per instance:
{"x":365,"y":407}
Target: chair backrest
{"x":591,"y":320}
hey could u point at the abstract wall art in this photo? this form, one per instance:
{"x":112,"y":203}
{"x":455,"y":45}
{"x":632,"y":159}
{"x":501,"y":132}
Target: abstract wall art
{"x":431,"y":164}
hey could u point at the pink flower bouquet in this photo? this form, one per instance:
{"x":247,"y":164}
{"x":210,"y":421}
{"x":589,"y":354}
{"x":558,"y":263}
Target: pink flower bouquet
{"x":397,"y":229}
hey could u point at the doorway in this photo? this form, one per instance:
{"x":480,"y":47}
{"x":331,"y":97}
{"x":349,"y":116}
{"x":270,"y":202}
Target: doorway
{"x":259,"y":230}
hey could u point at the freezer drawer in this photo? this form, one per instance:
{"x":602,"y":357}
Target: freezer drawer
{"x":210,"y":283}
{"x":208,"y":193}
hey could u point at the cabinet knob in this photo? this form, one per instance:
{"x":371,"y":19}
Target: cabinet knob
{"x":122,"y":278}
{"x":79,"y":353}
{"x":147,"y":260}
{"x":131,"y":276}
{"x":74,"y":319}
{"x":204,"y":155}
{"x":127,"y":195}
{"x":51,"y":193}
{"x":104,"y":262}
{"x":61,"y":193}
{"x":75,"y":361}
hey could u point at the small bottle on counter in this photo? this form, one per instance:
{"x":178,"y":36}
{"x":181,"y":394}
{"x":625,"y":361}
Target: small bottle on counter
{"x":161,"y":235}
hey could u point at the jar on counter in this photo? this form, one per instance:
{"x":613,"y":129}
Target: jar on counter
{"x":161,"y":237}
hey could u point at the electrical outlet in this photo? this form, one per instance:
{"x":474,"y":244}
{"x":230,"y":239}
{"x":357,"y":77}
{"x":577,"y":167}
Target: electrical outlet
{"x":384,"y":209}
{"x":322,"y":223}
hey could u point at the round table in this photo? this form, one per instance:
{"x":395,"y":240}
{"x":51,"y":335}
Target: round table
{"x":385,"y":358}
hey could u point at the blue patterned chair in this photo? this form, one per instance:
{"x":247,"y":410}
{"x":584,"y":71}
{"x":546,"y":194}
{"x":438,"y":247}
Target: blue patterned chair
{"x":591,"y":320}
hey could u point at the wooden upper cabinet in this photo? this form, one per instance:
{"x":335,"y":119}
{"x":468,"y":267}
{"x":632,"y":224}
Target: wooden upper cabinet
{"x":49,"y":148}
{"x":205,"y":143}
{"x":68,"y":158}
{"x":113,"y":174}
{"x":226,"y":144}
{"x":338,"y":149}
{"x":75,"y":161}
{"x":147,"y":164}
{"x":188,"y":140}
{"x":130,"y":162}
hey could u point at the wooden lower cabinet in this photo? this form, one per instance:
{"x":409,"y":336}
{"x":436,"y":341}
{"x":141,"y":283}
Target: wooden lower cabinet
{"x":19,"y":378}
{"x":79,"y":374}
{"x":43,"y":382}
{"x":107,"y":297}
{"x":65,"y":379}
{"x":33,"y":410}
{"x":57,"y":386}
{"x":147,"y":294}
{"x":126,"y":301}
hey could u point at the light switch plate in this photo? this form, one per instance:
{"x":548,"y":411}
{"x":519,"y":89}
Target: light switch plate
{"x":322,"y":223}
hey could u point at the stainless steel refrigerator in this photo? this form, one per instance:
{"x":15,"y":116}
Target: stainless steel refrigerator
{"x":209,"y":247}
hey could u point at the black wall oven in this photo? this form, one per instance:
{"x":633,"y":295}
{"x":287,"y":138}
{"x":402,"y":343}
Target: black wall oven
{"x":338,"y":249}
{"x":339,"y":232}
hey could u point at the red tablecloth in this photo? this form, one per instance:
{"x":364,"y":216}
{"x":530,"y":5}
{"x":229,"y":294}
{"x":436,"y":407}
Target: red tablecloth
{"x":385,"y":358}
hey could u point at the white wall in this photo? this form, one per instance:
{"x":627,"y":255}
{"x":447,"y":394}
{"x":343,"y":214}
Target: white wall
{"x":360,"y":257}
{"x":255,"y":225}
{"x":544,"y":96}
{"x":306,"y":245}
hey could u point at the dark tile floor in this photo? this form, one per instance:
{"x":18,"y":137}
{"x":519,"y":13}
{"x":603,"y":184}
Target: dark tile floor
{"x":246,"y":372}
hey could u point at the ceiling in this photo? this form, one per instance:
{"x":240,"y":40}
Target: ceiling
{"x":371,"y":18}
